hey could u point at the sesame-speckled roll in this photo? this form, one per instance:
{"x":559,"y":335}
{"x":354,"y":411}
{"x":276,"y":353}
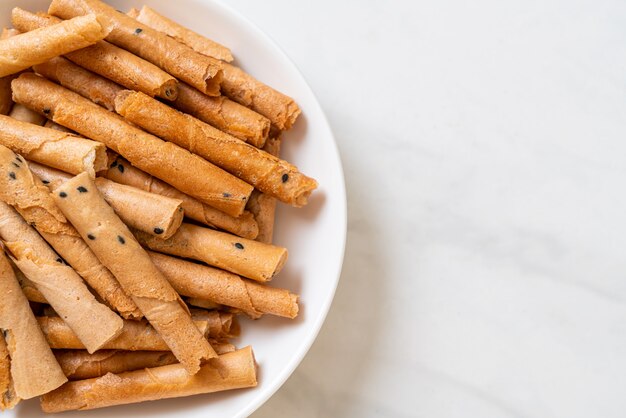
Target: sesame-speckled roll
{"x":202,"y":72}
{"x":108,"y":60}
{"x":111,"y":241}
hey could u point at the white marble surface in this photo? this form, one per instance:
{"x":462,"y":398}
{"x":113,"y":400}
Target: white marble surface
{"x":484,"y":146}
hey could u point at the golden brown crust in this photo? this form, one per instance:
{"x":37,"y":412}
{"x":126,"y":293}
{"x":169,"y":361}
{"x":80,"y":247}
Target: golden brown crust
{"x":108,"y":60}
{"x":266,"y":172}
{"x":241,"y":87}
{"x":204,"y":73}
{"x":199,"y":281}
{"x":22,"y":51}
{"x":255,"y":260}
{"x":122,"y":172}
{"x":98,"y":89}
{"x":224,"y":114}
{"x":182,"y":169}
{"x":93,"y":322}
{"x":188,"y":37}
{"x":34,"y":369}
{"x":112,"y":242}
{"x":50,"y":147}
{"x":232,"y":370}
{"x":24,"y":114}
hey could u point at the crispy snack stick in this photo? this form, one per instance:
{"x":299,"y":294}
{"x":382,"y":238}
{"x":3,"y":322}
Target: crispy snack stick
{"x":19,"y":52}
{"x":50,"y":147}
{"x":267,"y":173}
{"x":80,"y":365}
{"x":198,"y":281}
{"x":121,"y":171}
{"x":232,"y":371}
{"x":254,"y":260}
{"x":136,"y":335}
{"x":8,"y":397}
{"x":190,"y":38}
{"x":34,"y":202}
{"x":263,"y":206}
{"x":108,"y":60}
{"x":222,"y":325}
{"x":224,"y":114}
{"x":34,"y":369}
{"x":112,"y":242}
{"x":99,"y":90}
{"x":202,"y":72}
{"x":183,"y":170}
{"x":152,"y":213}
{"x":6,"y":102}
{"x":24,"y":114}
{"x":93,"y":323}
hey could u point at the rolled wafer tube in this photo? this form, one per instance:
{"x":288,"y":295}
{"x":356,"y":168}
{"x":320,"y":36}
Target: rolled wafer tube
{"x":199,"y":281}
{"x":123,"y":172}
{"x":53,"y":148}
{"x":6,"y":102}
{"x":8,"y":397}
{"x":112,"y":242}
{"x":254,"y":260}
{"x":152,"y":213}
{"x":263,"y":206}
{"x":180,"y":168}
{"x":233,"y":371}
{"x":34,"y":369}
{"x":202,"y":72}
{"x":34,"y":202}
{"x":135,"y":336}
{"x":51,"y":125}
{"x":80,"y":365}
{"x":98,"y":89}
{"x":267,"y":173}
{"x":221,"y":325}
{"x":108,"y":60}
{"x":224,"y":114}
{"x":93,"y":323}
{"x":24,"y":114}
{"x":22,"y":51}
{"x":190,"y":38}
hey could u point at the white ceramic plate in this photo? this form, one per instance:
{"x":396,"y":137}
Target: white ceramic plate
{"x":314,"y":235}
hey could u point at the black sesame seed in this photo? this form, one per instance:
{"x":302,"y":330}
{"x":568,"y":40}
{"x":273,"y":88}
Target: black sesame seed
{"x":63,"y":194}
{"x":158,"y":231}
{"x":18,"y":158}
{"x":81,"y":189}
{"x":114,"y":164}
{"x":285,"y":178}
{"x":226,"y":195}
{"x":180,"y":209}
{"x":16,"y":165}
{"x":121,"y":168}
{"x":239,"y":245}
{"x":45,"y":181}
{"x":46,"y":111}
{"x":59,"y":260}
{"x":138,"y":31}
{"x":91,"y":237}
{"x":121,"y":239}
{"x":12,"y":175}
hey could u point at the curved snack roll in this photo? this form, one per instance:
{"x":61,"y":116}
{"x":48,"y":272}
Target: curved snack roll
{"x":122,"y":172}
{"x":267,"y":173}
{"x":202,"y":72}
{"x":24,"y":114}
{"x":108,"y":60}
{"x":198,"y":281}
{"x":22,"y":51}
{"x":182,"y":169}
{"x":254,"y":260}
{"x":8,"y":397}
{"x":34,"y":369}
{"x":112,"y":242}
{"x":99,"y":90}
{"x":193,"y":40}
{"x":35,"y":203}
{"x":135,"y":335}
{"x":51,"y":147}
{"x":263,"y":206}
{"x":93,"y":323}
{"x":232,"y":371}
{"x":224,"y":114}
